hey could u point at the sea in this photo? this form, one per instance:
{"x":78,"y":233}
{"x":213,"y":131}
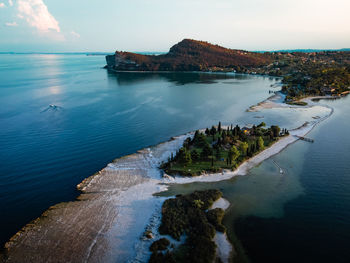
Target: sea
{"x":64,"y":117}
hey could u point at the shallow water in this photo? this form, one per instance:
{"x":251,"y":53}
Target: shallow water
{"x":46,"y":151}
{"x":302,"y":215}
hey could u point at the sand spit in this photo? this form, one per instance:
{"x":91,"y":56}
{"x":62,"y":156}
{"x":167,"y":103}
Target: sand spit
{"x":224,"y":249}
{"x":106,"y":221}
{"x":244,"y":168}
{"x":221,"y":203}
{"x":277,"y":101}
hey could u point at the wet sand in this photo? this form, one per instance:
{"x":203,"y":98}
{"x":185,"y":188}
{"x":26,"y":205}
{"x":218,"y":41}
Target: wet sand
{"x":106,"y":221}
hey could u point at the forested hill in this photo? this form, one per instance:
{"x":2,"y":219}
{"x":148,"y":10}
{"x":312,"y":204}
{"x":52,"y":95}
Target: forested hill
{"x":304,"y":74}
{"x":190,"y":55}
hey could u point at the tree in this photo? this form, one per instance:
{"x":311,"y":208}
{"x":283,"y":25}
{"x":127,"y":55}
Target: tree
{"x":233,"y":154}
{"x":219,"y":127}
{"x":275,"y":130}
{"x":199,"y":140}
{"x":218,"y":153}
{"x":198,"y":203}
{"x":213,"y":132}
{"x":206,"y":151}
{"x":243,"y":147}
{"x":194,"y":155}
{"x":236,"y":130}
{"x":184,"y":156}
{"x":262,"y":124}
{"x":187,"y":143}
{"x":260,"y":143}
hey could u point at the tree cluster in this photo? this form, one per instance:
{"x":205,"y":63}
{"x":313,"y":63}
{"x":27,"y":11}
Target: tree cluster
{"x":218,"y":148}
{"x":189,"y":215}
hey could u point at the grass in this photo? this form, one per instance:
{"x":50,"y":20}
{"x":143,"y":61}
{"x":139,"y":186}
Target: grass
{"x":297,"y":103}
{"x":200,"y":167}
{"x":186,"y":163}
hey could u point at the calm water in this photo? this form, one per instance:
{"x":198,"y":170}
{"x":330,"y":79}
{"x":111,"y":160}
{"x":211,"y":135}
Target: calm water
{"x":46,"y":151}
{"x":301,"y":216}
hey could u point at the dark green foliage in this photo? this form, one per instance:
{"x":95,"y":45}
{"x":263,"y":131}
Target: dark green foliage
{"x":177,"y":212}
{"x":316,"y":79}
{"x":158,"y":257}
{"x":184,"y":156}
{"x":215,"y":217}
{"x":218,"y":153}
{"x":206,"y":151}
{"x":219,"y":150}
{"x":275,"y":130}
{"x":187,"y":143}
{"x":187,"y":214}
{"x":161,"y":244}
{"x":199,"y":140}
{"x":262,"y":124}
{"x":203,"y":250}
{"x":213,"y":130}
{"x":195,"y":155}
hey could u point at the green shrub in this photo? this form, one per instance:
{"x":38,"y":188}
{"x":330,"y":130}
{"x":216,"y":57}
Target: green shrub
{"x":161,"y":244}
{"x":187,"y":214}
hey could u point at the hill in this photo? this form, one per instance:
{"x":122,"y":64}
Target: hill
{"x":189,"y":55}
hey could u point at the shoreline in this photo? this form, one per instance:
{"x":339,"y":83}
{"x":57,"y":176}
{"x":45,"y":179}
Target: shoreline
{"x":277,"y":101}
{"x":224,"y":249}
{"x":102,"y":222}
{"x":208,"y":72}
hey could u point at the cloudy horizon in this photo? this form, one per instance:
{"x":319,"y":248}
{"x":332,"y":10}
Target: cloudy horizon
{"x":155,"y":25}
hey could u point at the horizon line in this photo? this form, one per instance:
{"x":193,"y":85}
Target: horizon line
{"x":304,"y":50}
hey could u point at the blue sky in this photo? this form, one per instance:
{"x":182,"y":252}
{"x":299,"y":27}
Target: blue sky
{"x":155,"y":25}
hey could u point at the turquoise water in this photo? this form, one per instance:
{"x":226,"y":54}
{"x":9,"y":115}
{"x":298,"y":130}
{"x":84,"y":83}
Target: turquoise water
{"x":99,"y":116}
{"x":300,"y":216}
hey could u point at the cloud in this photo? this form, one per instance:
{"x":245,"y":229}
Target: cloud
{"x":10,"y":3}
{"x":11,"y":24}
{"x":2,"y":5}
{"x":37,"y":15}
{"x":75,"y":34}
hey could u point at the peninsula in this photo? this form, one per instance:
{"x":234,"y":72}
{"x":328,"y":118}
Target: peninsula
{"x":104,"y":223}
{"x":221,"y":148}
{"x":304,"y":73}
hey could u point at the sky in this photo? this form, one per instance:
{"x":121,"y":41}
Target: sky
{"x":156,"y":25}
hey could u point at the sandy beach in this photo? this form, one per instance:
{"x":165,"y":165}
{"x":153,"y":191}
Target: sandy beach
{"x":224,"y":249}
{"x":107,"y":221}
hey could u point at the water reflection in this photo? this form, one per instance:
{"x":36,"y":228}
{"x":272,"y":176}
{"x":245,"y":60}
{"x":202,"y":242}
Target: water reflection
{"x":128,"y":78}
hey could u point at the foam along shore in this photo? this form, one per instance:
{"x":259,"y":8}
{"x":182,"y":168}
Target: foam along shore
{"x":277,"y":101}
{"x":224,"y":249}
{"x":255,"y":160}
{"x":106,"y":221}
